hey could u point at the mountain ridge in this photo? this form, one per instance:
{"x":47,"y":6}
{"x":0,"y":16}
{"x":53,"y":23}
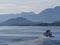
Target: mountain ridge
{"x":16,"y":22}
{"x":47,"y":16}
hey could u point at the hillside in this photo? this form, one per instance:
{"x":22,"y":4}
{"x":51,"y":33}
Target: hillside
{"x":48,"y":15}
{"x":19,"y":21}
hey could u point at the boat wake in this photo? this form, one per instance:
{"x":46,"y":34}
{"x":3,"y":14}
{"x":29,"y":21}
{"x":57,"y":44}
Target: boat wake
{"x":38,"y":41}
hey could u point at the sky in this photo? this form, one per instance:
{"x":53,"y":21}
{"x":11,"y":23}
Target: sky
{"x":18,"y":6}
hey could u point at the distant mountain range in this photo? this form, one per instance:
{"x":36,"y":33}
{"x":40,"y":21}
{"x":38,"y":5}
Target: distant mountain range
{"x":19,"y":21}
{"x":48,"y":17}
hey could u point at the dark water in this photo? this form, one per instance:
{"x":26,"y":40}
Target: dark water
{"x":10,"y":34}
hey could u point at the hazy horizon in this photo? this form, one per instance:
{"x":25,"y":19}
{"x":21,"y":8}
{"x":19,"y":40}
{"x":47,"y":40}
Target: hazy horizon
{"x":18,"y":6}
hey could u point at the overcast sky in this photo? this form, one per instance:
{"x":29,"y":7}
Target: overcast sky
{"x":18,"y":6}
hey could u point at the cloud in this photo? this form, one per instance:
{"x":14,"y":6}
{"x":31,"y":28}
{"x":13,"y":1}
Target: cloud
{"x":17,"y":6}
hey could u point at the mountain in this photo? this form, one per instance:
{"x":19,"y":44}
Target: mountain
{"x":27,"y":15}
{"x":48,"y":15}
{"x":19,"y":21}
{"x":57,"y":23}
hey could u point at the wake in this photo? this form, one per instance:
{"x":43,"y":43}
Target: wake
{"x":38,"y":41}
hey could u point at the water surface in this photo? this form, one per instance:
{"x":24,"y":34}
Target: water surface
{"x":10,"y":34}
